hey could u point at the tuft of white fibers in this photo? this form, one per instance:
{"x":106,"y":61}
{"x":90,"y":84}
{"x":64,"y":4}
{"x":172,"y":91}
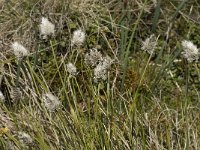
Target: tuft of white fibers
{"x":71,"y":68}
{"x":19,"y":50}
{"x":100,"y":73}
{"x":190,"y":51}
{"x":78,"y":37}
{"x":2,"y":98}
{"x":46,"y":28}
{"x":107,"y":62}
{"x":51,"y":102}
{"x":93,"y":57}
{"x":149,"y":45}
{"x":25,"y":138}
{"x":101,"y":70}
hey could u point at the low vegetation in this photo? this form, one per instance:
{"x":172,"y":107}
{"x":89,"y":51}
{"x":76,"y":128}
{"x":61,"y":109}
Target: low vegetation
{"x":88,"y":74}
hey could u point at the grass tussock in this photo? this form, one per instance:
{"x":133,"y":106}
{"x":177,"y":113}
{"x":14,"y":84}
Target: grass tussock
{"x":99,"y":74}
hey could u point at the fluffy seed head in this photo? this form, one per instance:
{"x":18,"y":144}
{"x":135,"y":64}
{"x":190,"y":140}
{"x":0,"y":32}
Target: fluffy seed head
{"x":19,"y":50}
{"x":78,"y":38}
{"x":190,"y":51}
{"x":10,"y":145}
{"x":100,"y":73}
{"x":101,"y":70}
{"x":2,"y":98}
{"x":93,"y":57}
{"x":51,"y":102}
{"x":149,"y":44}
{"x":107,"y":62}
{"x":25,"y":138}
{"x":46,"y":28}
{"x":71,"y":68}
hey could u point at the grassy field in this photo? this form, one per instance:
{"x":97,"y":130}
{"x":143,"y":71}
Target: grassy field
{"x":99,"y":74}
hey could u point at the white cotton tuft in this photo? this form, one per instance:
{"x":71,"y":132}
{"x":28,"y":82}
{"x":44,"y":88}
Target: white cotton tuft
{"x":71,"y":68}
{"x":78,"y":38}
{"x":25,"y":138}
{"x":2,"y":98}
{"x":93,"y":57}
{"x":19,"y":50}
{"x":149,"y":45}
{"x":46,"y":28}
{"x":101,"y":70}
{"x":51,"y":102}
{"x":190,"y":51}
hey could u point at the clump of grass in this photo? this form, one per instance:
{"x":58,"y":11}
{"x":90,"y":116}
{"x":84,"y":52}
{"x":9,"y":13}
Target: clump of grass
{"x":91,"y":78}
